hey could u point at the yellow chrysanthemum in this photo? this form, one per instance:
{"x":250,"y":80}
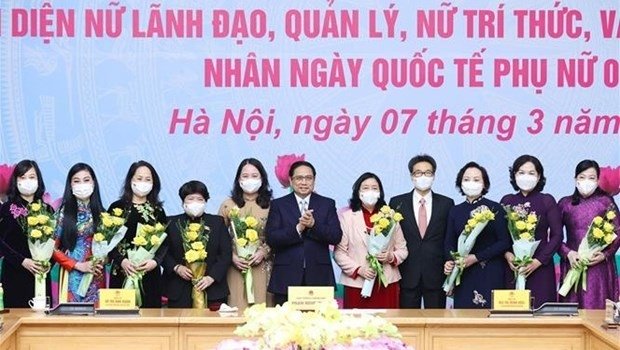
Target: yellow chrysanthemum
{"x":43,"y":219}
{"x":35,"y":206}
{"x":33,"y":221}
{"x":159,"y":227}
{"x":118,"y":221}
{"x":252,"y":235}
{"x":198,"y":245}
{"x":194,"y":226}
{"x":472,"y":222}
{"x":191,"y":256}
{"x":192,"y":236}
{"x":479,"y":216}
{"x":514,"y":216}
{"x":146,"y":229}
{"x":378,"y":230}
{"x":520,"y":225}
{"x":375,"y":217}
{"x":598,"y":221}
{"x":608,"y":228}
{"x":384,"y":223}
{"x":234,"y":211}
{"x":251,"y":221}
{"x":202,"y":254}
{"x":532,"y":219}
{"x":155,"y":240}
{"x":107,"y":222}
{"x":530,"y":227}
{"x":386,"y":209}
{"x":525,"y":236}
{"x":609,"y":238}
{"x":610,"y":215}
{"x":48,"y":230}
{"x":117,"y":211}
{"x":598,"y":233}
{"x":36,"y":233}
{"x":489,"y":215}
{"x":398,"y":217}
{"x":98,"y":237}
{"x":242,"y":242}
{"x":139,"y":241}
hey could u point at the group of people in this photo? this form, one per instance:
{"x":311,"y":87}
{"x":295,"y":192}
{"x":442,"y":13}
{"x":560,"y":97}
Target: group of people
{"x":295,"y":233}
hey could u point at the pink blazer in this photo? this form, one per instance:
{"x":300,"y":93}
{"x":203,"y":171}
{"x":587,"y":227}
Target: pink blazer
{"x":351,"y":252}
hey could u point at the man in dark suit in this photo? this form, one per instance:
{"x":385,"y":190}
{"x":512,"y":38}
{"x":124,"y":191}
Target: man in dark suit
{"x":425,"y":217}
{"x":179,"y":278}
{"x":300,"y":227}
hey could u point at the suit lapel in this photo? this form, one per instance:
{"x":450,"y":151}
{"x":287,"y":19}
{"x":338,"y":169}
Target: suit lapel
{"x":359,"y":226}
{"x":408,"y":214}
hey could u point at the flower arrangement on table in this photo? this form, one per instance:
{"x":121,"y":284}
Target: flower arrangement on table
{"x":328,"y":328}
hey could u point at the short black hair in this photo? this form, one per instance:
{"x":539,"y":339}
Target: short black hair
{"x":355,"y":203}
{"x":299,"y":163}
{"x":518,"y":163}
{"x":485,"y":177}
{"x":192,"y":187}
{"x":422,"y":158}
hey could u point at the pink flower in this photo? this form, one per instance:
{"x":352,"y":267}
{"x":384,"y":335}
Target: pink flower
{"x":5,"y":175}
{"x":609,"y":181}
{"x":18,"y":211}
{"x":283,"y":164}
{"x":54,"y":203}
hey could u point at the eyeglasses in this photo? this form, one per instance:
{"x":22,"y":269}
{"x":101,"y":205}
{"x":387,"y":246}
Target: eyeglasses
{"x":425,"y":173}
{"x":300,"y":178}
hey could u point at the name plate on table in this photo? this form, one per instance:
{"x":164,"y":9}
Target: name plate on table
{"x":612,"y":314}
{"x":309,"y":298}
{"x":117,"y":299}
{"x":511,"y":300}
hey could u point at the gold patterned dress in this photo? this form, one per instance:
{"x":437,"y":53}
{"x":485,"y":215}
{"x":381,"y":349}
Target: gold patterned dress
{"x":260,"y":272}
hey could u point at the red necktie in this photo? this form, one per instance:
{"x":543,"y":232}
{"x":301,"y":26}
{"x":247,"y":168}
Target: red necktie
{"x":422,"y":221}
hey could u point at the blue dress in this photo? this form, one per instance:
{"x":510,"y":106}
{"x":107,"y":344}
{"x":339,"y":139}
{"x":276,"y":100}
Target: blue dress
{"x":487,"y":274}
{"x":82,"y":252}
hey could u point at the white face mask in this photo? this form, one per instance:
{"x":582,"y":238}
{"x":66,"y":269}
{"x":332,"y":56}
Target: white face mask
{"x":423,"y":182}
{"x":526,"y":182}
{"x":471,"y":188}
{"x":82,"y":191}
{"x":369,"y":197}
{"x":27,"y":187}
{"x":141,"y":188}
{"x":250,"y":185}
{"x":586,"y":187}
{"x":194,"y":209}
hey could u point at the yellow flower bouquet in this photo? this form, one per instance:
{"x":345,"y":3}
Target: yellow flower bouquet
{"x":601,"y":233}
{"x":383,"y":225}
{"x":478,"y":220}
{"x":109,"y":233}
{"x":145,"y":244}
{"x":195,"y":237}
{"x":39,"y":225}
{"x":522,"y":223}
{"x":245,"y":233}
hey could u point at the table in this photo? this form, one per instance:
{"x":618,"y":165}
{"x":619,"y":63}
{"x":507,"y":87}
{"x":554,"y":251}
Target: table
{"x":199,"y":329}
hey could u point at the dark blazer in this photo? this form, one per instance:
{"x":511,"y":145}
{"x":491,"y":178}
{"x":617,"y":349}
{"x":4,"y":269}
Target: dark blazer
{"x":219,"y":258}
{"x":292,"y":251}
{"x":425,"y":261}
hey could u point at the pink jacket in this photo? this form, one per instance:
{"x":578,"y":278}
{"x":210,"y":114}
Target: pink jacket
{"x":350,"y":253}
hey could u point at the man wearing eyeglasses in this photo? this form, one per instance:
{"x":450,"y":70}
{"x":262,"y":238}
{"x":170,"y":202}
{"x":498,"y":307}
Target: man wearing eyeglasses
{"x":425,"y":219}
{"x":300,"y":227}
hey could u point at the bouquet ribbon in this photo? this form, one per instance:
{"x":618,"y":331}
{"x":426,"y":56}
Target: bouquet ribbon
{"x":574,"y":275}
{"x":377,"y":266}
{"x":134,"y":281}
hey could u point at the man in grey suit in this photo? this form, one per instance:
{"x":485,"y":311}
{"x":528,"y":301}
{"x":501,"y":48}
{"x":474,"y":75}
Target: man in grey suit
{"x":425,"y":218}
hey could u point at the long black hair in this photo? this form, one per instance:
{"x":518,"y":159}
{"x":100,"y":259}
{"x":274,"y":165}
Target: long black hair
{"x":355,"y":203}
{"x":581,"y":167}
{"x":127,"y":192}
{"x":69,"y":207}
{"x":264,"y":192}
{"x":20,"y":169}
